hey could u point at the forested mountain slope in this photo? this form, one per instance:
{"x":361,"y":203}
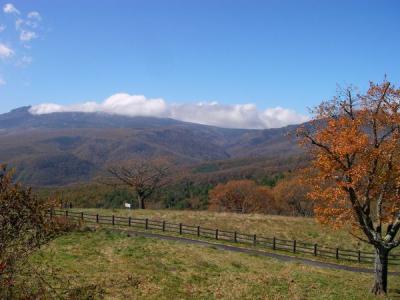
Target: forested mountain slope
{"x":64,"y":148}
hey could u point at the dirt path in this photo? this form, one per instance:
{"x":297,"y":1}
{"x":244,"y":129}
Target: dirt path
{"x":281,"y":257}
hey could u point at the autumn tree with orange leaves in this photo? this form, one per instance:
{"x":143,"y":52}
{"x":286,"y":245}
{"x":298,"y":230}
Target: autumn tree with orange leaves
{"x":355,"y":142}
{"x":291,"y":196}
{"x":243,"y":196}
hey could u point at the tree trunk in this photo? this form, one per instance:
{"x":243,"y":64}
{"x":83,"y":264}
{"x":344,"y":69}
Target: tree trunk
{"x":381,"y":271}
{"x":140,"y":202}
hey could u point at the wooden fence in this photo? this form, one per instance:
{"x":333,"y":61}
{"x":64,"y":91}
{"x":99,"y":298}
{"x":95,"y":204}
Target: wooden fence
{"x":274,"y":243}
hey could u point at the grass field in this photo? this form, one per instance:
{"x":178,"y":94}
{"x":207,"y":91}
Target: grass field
{"x":119,"y":267}
{"x":302,"y":229}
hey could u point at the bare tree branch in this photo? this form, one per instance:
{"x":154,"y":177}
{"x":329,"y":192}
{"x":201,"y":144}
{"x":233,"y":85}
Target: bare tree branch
{"x":144,"y":178}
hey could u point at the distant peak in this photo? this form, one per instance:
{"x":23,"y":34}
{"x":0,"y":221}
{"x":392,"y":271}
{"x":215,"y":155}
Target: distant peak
{"x":20,"y":109}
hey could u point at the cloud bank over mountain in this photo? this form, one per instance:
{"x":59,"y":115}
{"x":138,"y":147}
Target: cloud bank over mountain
{"x":209,"y":113}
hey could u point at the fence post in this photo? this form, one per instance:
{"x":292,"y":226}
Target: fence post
{"x":146,"y":225}
{"x":51,"y":214}
{"x":235,"y":237}
{"x":113,"y":220}
{"x":66,"y":214}
{"x":294,"y":246}
{"x":216,"y":234}
{"x":82,"y":215}
{"x":359,"y":255}
{"x":129,"y":221}
{"x":254,"y":240}
{"x":198,"y":230}
{"x":315,"y":249}
{"x":337,"y":253}
{"x":163,"y":226}
{"x":180,"y":228}
{"x":97,"y":218}
{"x":274,"y":243}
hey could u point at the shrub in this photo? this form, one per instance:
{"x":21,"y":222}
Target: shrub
{"x":24,"y":227}
{"x":243,"y":196}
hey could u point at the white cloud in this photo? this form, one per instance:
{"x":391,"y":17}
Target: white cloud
{"x":24,"y":61}
{"x":236,"y":115}
{"x":212,"y":113}
{"x":27,"y":35}
{"x":26,"y":27}
{"x":34,"y":15}
{"x":5,"y":51}
{"x":10,"y":9}
{"x":33,"y":19}
{"x":281,"y":115}
{"x":121,"y":104}
{"x":209,"y":113}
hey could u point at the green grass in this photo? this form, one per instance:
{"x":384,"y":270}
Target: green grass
{"x":118,"y":267}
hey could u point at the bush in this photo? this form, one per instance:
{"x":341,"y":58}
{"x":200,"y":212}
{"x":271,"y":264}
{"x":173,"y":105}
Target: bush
{"x":24,"y":227}
{"x":243,"y":196}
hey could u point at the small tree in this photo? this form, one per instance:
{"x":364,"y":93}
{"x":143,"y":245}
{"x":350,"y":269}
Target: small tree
{"x":144,"y":178}
{"x":243,"y":196}
{"x":291,"y":196}
{"x":355,"y":142}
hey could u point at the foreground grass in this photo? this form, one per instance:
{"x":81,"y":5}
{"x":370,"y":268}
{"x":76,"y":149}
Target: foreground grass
{"x":302,"y":229}
{"x":116,"y":267}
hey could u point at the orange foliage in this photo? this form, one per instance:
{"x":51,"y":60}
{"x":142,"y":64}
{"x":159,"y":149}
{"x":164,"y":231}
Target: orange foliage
{"x":355,"y":141}
{"x":291,"y":196}
{"x":243,"y":196}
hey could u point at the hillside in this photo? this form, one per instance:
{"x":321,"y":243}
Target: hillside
{"x":64,"y":148}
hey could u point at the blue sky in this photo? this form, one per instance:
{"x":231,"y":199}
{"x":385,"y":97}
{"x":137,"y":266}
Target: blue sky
{"x":288,"y":54}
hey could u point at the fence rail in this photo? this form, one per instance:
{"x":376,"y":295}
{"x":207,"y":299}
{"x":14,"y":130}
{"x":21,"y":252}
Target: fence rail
{"x":274,"y":243}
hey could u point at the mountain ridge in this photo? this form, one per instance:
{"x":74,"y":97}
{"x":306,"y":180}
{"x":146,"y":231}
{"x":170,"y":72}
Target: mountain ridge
{"x":63,"y":148}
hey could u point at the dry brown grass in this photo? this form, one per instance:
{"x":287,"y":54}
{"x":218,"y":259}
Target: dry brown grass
{"x":302,"y":229}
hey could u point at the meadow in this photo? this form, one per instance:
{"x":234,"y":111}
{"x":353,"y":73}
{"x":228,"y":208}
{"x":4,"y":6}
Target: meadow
{"x":109,"y":265}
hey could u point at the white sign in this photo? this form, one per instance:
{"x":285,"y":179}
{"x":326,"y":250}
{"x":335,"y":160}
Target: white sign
{"x":128,"y":205}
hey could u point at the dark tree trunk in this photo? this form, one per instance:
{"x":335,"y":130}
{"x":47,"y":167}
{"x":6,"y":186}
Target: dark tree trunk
{"x":141,"y":202}
{"x":381,"y":271}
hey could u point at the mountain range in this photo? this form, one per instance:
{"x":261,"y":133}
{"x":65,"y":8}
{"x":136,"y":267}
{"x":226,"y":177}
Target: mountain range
{"x":64,"y":148}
